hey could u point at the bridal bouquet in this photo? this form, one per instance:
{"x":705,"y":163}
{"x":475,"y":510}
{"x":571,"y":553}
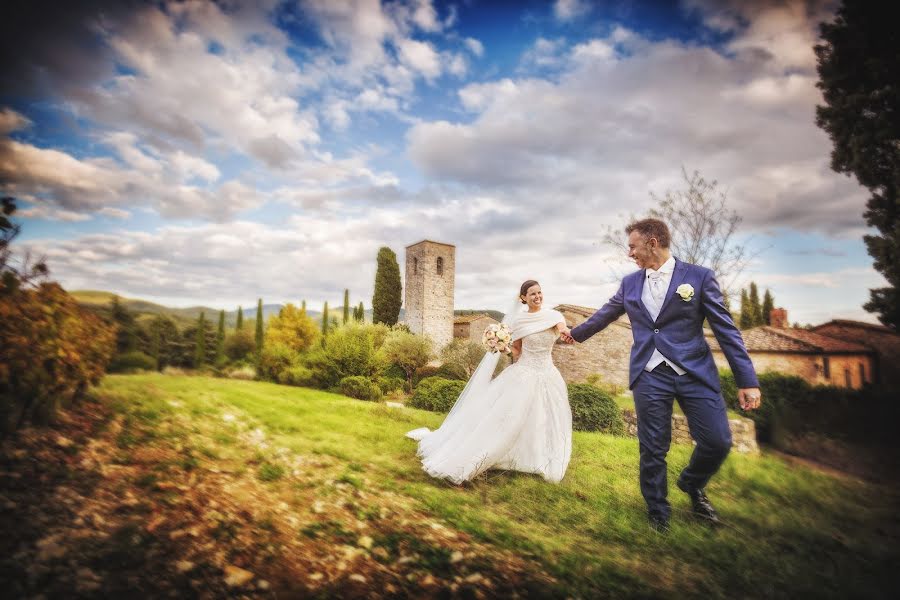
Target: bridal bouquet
{"x":496,"y":338}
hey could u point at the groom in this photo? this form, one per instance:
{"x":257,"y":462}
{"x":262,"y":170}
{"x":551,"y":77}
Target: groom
{"x":667,"y":302}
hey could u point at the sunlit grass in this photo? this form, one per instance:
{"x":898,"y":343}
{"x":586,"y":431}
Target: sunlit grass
{"x":791,"y":532}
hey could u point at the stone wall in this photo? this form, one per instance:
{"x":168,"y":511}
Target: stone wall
{"x":430,"y":274}
{"x":606,"y":353}
{"x":472,"y":330}
{"x":743,"y":431}
{"x":811,"y":367}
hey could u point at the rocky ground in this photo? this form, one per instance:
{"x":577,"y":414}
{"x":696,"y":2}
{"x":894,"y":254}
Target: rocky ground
{"x":106,"y":504}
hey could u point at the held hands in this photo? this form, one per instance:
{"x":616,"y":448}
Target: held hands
{"x":566,"y":335}
{"x":749,"y":398}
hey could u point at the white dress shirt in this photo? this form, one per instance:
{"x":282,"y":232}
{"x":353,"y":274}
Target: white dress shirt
{"x":656,"y":284}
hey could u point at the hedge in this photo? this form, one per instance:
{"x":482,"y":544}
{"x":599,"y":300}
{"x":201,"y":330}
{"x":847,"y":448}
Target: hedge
{"x":437,"y":394}
{"x":594,"y":410}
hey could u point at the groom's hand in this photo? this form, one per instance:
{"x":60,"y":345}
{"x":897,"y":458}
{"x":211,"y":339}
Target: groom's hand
{"x":749,"y":398}
{"x":567,"y":337}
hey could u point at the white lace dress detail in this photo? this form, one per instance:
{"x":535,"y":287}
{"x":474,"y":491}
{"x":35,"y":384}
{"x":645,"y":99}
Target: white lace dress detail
{"x":524,"y":423}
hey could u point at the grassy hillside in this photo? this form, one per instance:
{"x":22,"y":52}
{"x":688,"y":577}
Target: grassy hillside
{"x":318,"y":494}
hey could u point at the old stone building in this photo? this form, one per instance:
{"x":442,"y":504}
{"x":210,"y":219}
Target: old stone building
{"x":471,"y":327}
{"x":606,"y":353}
{"x":817,"y":358}
{"x":430,"y":272}
{"x":883,"y":341}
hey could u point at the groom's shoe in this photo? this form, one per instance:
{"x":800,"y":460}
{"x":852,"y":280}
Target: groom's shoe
{"x":702,"y":507}
{"x":659,"y":524}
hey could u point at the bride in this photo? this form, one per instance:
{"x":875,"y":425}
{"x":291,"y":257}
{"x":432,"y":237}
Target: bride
{"x":519,"y":421}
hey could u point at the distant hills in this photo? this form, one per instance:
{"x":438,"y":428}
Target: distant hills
{"x":100,"y":301}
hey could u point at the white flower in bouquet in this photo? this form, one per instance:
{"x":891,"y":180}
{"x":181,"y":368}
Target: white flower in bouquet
{"x":496,"y":338}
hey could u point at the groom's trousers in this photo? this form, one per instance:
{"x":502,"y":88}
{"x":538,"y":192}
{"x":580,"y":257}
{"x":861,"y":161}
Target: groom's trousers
{"x":707,"y":420}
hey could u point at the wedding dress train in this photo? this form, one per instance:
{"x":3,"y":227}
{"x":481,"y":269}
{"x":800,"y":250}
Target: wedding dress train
{"x":519,"y":421}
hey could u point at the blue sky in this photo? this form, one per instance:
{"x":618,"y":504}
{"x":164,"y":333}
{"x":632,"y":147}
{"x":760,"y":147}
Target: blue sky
{"x":195,"y":152}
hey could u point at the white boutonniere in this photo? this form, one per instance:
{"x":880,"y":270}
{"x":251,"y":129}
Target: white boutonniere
{"x":686,"y":291}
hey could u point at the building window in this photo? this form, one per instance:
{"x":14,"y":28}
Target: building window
{"x":848,"y":380}
{"x":415,"y":266}
{"x":862,"y":374}
{"x":826,"y":367}
{"x":440,"y":265}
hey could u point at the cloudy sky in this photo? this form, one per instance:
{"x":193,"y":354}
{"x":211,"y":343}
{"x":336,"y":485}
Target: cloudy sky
{"x":217,"y":152}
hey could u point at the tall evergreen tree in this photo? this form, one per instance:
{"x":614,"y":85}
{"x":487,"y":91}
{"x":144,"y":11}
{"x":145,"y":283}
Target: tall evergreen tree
{"x":858,"y":65}
{"x":388,"y":296}
{"x":324,"y":322}
{"x":240,"y":319}
{"x":746,"y":318}
{"x":260,"y":332}
{"x":303,"y":306}
{"x":360,"y":313}
{"x":220,"y":338}
{"x":155,"y":344}
{"x":200,"y":345}
{"x":767,"y":306}
{"x":346,"y":306}
{"x":756,"y":315}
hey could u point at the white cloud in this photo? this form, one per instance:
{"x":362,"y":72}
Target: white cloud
{"x":567,"y":10}
{"x":475,"y":46}
{"x":52,"y":214}
{"x":114,"y":213}
{"x":420,"y":56}
{"x":11,"y":121}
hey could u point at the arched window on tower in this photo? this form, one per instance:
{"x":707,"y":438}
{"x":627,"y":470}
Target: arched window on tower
{"x":415,"y":266}
{"x":440,"y":265}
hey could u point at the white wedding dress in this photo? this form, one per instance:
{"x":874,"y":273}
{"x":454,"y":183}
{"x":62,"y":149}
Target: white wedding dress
{"x":520,"y":421}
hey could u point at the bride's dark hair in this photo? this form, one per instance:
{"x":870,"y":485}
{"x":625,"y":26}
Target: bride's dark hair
{"x":524,"y":289}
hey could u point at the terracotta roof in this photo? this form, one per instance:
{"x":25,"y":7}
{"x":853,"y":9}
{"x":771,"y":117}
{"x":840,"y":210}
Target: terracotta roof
{"x":858,"y":325}
{"x":789,"y":339}
{"x":470,"y":318}
{"x":587,"y":311}
{"x":584,"y":311}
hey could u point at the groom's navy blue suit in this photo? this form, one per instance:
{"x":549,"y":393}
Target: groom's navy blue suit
{"x":677,"y":333}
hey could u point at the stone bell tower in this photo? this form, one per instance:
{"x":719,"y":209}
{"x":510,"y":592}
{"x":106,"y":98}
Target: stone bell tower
{"x":430,"y":269}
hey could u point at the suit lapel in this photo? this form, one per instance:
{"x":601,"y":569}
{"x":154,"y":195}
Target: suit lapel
{"x":642,"y":279}
{"x":677,"y":278}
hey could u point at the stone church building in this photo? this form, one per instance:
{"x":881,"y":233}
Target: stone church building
{"x":430,"y":273}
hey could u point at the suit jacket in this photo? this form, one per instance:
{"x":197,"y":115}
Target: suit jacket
{"x":678,"y":330}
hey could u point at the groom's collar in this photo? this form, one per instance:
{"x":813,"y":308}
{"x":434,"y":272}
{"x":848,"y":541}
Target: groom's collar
{"x":666,"y":267}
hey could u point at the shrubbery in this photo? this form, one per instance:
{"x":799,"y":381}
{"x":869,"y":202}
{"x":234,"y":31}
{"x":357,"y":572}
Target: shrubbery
{"x":791,"y":406}
{"x":594,"y":410}
{"x":437,"y":394}
{"x":391,"y":384}
{"x":361,"y":388}
{"x":52,"y":352}
{"x":132,"y":361}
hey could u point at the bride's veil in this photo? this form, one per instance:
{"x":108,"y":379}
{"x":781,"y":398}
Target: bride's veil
{"x":465,"y":412}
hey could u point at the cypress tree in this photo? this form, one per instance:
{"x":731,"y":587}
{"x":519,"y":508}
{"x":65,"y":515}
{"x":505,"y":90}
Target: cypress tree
{"x":767,"y":306}
{"x":324,"y":321}
{"x":387,"y":298}
{"x":155,"y":345}
{"x":260,"y":334}
{"x":303,"y":307}
{"x":200,"y":344}
{"x":756,"y":315}
{"x":361,"y":313}
{"x":746,"y":319}
{"x":240,"y":319}
{"x":220,"y":338}
{"x":346,"y":306}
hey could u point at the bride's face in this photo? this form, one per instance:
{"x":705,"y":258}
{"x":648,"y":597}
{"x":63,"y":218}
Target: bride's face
{"x":534,"y":298}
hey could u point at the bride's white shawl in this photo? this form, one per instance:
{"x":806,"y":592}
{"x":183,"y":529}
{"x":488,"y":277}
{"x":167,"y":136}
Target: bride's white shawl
{"x":525,"y":323}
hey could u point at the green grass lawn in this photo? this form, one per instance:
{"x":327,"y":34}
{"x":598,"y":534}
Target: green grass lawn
{"x":791,"y":532}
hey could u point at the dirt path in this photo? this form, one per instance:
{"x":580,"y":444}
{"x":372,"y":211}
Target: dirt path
{"x":102,"y":506}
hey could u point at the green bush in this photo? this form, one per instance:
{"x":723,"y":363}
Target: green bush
{"x":132,"y":361}
{"x":436,"y":394}
{"x":452,"y":371}
{"x":275,"y":360}
{"x":348,"y":350}
{"x":425,"y":372}
{"x":391,"y":384}
{"x":782,"y":394}
{"x":296,"y":375}
{"x":594,"y":410}
{"x":361,"y":388}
